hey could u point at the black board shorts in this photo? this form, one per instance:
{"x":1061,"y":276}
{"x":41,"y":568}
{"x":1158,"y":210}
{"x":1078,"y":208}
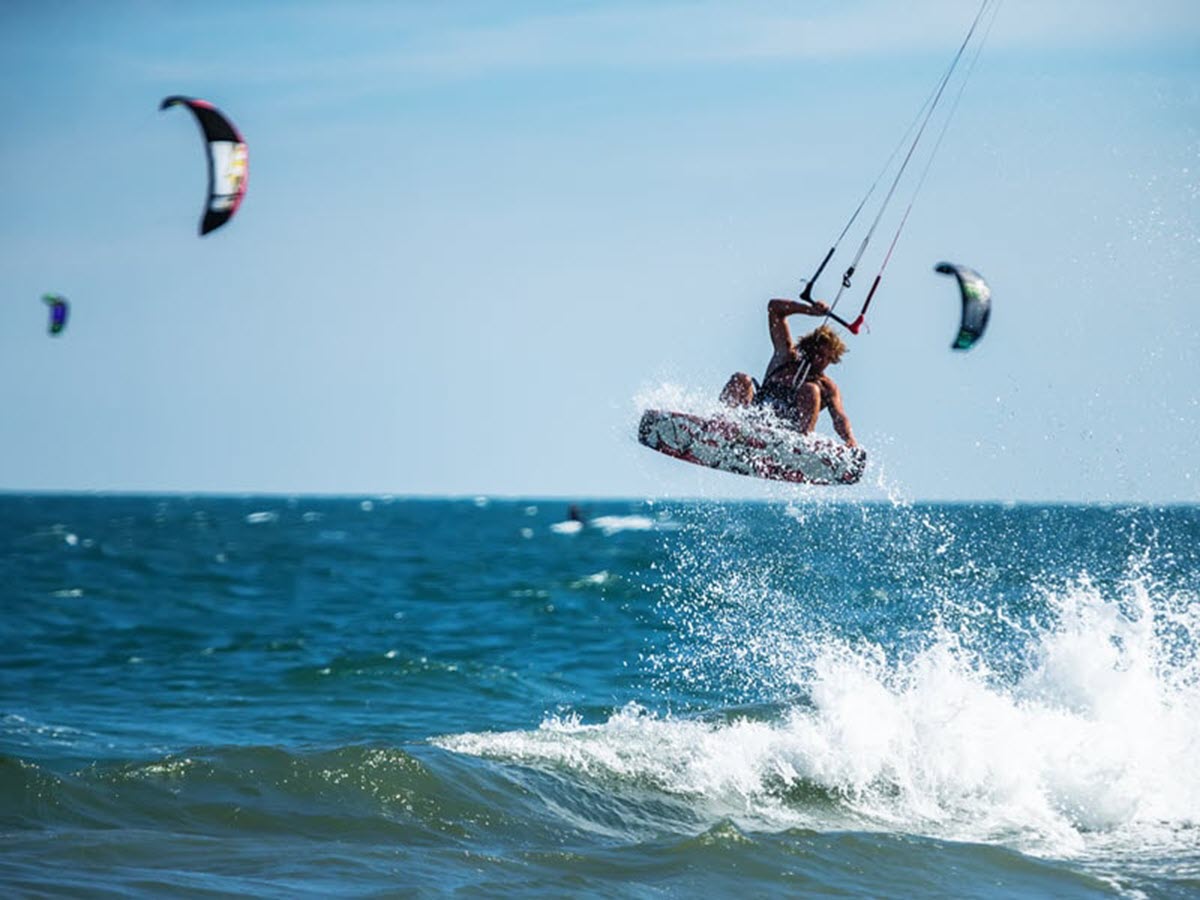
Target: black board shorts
{"x":779,"y":398}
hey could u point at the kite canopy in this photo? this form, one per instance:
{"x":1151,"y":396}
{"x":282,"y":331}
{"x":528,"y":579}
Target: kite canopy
{"x":976,"y":303}
{"x":59,"y":309}
{"x":228,"y":161}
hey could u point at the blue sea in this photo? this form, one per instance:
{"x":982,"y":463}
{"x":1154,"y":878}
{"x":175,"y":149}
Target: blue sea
{"x":372,"y":697}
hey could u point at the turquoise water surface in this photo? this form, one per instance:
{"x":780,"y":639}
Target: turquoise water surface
{"x":307,"y":696}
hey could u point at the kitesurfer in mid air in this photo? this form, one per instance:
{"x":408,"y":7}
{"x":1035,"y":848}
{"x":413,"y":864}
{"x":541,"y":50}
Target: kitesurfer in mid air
{"x":795,"y":386}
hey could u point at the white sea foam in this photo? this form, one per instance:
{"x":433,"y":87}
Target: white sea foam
{"x":614,"y":524}
{"x":597,"y":579}
{"x":12,"y":724}
{"x":610,"y":525}
{"x":1093,"y":745}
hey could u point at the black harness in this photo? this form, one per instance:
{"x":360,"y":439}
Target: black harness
{"x":778,"y":389}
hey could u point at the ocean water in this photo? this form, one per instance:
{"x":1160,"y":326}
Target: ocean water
{"x":292,"y":697}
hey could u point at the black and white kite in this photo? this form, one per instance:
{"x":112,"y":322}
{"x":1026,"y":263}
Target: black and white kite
{"x":228,"y":161}
{"x":976,"y":303}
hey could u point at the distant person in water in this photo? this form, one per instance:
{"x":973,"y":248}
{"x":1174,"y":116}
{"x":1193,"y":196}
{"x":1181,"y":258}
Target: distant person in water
{"x":574,"y":514}
{"x":795,"y":386}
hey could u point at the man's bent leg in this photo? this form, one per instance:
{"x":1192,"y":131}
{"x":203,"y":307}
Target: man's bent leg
{"x":738,"y":390}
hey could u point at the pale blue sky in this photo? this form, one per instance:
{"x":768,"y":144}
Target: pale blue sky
{"x":475,"y":232}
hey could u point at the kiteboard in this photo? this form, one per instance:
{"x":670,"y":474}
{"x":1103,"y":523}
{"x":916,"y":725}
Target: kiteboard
{"x":761,"y":447}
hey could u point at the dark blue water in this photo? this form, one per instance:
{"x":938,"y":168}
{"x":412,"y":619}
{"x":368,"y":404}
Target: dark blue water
{"x":314,"y":697}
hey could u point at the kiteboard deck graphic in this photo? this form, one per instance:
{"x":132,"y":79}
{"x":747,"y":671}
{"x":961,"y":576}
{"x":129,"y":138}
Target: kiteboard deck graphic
{"x":760,"y":449}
